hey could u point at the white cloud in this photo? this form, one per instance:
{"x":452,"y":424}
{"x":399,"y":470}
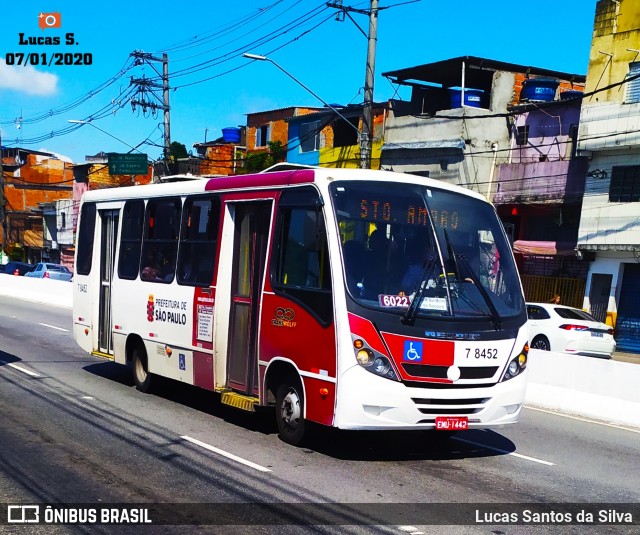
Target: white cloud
{"x":27,"y":80}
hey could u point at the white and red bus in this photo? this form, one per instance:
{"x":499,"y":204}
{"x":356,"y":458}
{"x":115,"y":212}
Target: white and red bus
{"x":355,"y":299}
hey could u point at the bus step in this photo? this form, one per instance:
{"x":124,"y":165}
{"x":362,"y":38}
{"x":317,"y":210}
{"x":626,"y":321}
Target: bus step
{"x":239,"y":401}
{"x":102,"y":355}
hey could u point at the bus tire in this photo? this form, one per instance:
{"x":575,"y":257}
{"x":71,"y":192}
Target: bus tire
{"x":290,"y":411}
{"x":141,"y":376}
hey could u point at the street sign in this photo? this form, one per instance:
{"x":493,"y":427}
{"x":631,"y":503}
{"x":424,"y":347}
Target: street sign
{"x":128,"y":164}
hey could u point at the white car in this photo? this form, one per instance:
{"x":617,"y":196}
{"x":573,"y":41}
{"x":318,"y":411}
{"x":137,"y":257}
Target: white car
{"x":568,"y":330}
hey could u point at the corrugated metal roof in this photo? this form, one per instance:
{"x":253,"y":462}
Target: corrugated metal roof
{"x":448,"y":72}
{"x":285,"y":108}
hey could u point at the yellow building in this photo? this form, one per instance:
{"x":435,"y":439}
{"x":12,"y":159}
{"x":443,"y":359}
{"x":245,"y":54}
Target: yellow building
{"x":609,"y":135}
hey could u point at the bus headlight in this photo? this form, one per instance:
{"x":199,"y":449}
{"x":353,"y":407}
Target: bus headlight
{"x":373,"y":362}
{"x":517,"y":365}
{"x":381,"y":366}
{"x":364,"y":357}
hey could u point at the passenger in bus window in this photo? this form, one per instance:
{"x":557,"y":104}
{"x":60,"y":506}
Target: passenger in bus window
{"x":152,"y":270}
{"x":151,"y":273}
{"x":168,"y":269}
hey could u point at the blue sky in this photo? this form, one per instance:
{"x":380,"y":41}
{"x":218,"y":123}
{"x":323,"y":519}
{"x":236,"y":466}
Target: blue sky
{"x":214,"y":87}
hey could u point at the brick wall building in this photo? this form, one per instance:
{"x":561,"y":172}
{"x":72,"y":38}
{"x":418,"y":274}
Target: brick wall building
{"x":32,"y":179}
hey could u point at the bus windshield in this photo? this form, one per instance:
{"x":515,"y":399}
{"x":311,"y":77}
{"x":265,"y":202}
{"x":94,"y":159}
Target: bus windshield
{"x":414,"y":250}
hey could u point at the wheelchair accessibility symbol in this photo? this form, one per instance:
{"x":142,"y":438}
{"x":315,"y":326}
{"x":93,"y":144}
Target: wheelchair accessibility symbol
{"x":413,"y":351}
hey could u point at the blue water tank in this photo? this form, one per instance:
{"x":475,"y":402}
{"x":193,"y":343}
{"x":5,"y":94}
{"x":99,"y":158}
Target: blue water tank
{"x":472,"y":98}
{"x":231,"y":134}
{"x":539,"y":89}
{"x":571,"y":94}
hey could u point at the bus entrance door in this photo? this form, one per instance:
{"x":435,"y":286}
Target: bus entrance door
{"x":108,"y":238}
{"x":249,"y":253}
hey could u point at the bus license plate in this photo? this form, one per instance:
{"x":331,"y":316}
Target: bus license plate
{"x":452,"y":423}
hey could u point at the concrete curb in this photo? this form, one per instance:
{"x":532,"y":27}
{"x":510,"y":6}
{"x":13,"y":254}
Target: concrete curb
{"x":601,"y":389}
{"x":44,"y":291}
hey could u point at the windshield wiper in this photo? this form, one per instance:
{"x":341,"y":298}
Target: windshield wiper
{"x":495,"y":315}
{"x":409,"y":317}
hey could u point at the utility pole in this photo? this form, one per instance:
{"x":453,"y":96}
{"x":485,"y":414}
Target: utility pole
{"x":366,"y":133}
{"x":146,"y":86}
{"x":367,"y":111}
{"x":165,"y":94}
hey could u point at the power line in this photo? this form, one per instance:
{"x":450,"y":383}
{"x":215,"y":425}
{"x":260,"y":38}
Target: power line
{"x":72,"y":104}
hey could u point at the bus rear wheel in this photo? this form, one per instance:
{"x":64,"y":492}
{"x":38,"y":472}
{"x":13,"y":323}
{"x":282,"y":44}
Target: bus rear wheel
{"x":141,"y":376}
{"x":290,"y":411}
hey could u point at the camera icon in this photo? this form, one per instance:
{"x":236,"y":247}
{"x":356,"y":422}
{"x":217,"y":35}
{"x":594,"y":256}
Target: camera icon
{"x":50,"y":20}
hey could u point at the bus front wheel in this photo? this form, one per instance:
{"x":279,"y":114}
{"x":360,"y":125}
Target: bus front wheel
{"x":290,"y":411}
{"x":141,"y":375}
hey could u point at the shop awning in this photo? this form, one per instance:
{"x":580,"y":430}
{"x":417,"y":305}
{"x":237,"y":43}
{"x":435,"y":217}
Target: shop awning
{"x":32,"y":238}
{"x":544,"y":248}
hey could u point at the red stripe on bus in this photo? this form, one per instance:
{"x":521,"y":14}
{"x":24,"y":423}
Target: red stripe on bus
{"x":282,"y":178}
{"x":363,"y":328}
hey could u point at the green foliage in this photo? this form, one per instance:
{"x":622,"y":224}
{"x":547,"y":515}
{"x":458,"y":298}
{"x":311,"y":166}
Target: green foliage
{"x":259,"y":161}
{"x":177,"y":150}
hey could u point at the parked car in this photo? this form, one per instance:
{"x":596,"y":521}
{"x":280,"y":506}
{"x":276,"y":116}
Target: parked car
{"x":568,"y":330}
{"x":45,"y":270}
{"x":16,"y":268}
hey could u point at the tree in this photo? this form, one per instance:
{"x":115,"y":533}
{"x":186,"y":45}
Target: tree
{"x":177,"y":150}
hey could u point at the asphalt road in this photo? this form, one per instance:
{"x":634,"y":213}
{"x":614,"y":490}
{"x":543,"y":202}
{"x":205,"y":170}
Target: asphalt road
{"x":73,"y":429}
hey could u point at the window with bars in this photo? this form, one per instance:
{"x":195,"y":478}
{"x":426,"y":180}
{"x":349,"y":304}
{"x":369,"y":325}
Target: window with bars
{"x":625,"y":184}
{"x":633,"y":86}
{"x":522,"y":134}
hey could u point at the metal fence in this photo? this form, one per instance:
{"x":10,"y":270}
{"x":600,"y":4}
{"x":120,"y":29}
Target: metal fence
{"x":541,"y":289}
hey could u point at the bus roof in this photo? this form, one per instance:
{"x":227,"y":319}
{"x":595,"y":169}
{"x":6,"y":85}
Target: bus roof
{"x":267,"y":180}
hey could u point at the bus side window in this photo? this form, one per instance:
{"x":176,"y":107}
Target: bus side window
{"x":301,"y":268}
{"x":198,"y":241}
{"x":160,"y":241}
{"x":131,"y":240}
{"x":85,"y":238}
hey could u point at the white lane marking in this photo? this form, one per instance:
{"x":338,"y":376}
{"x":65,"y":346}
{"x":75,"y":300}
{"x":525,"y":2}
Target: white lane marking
{"x":583,"y":419}
{"x":87,"y":397}
{"x":54,"y":327}
{"x":525,"y":457}
{"x":226,"y":454}
{"x":20,"y":368}
{"x":411,"y":530}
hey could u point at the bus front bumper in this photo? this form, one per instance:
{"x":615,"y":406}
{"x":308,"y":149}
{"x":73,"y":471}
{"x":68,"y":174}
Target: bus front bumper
{"x":366,"y":401}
